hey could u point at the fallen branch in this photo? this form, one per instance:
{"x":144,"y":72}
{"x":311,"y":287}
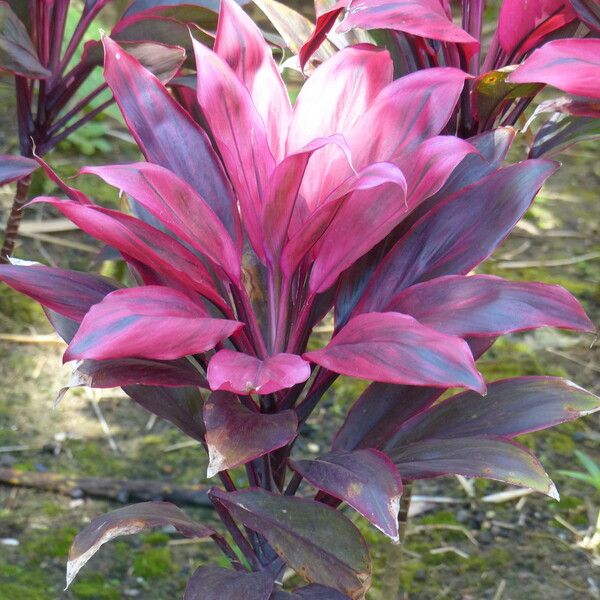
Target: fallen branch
{"x":559,"y":262}
{"x":119,"y":490}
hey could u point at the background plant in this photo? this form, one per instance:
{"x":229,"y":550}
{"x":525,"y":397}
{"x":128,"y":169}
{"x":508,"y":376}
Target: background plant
{"x":396,"y":414}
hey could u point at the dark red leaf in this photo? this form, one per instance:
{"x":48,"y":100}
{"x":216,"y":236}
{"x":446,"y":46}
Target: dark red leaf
{"x":215,"y":583}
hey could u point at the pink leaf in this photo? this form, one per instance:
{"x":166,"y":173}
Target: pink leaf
{"x":178,"y":206}
{"x":236,"y":435}
{"x":147,"y":322}
{"x":239,"y":133}
{"x":165,"y":132}
{"x":241,"y":45}
{"x":570,"y":65}
{"x":395,"y":348}
{"x":244,"y":374}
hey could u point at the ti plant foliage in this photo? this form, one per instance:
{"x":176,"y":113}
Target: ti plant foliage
{"x":254,"y":220}
{"x":50,"y":66}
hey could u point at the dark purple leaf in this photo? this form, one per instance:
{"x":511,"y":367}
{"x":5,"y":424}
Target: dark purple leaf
{"x":395,"y":348}
{"x":379,"y":412}
{"x":127,"y":521}
{"x":215,"y":583}
{"x":180,"y":406}
{"x":235,"y":435}
{"x":459,"y":233}
{"x":488,"y":458}
{"x":589,"y":12}
{"x":147,"y":322}
{"x":561,"y":132}
{"x":483,"y":305}
{"x":68,"y":293}
{"x":15,"y":167}
{"x":301,"y":532}
{"x":17,"y":53}
{"x":510,"y":408}
{"x":365,"y":479}
{"x":165,"y":132}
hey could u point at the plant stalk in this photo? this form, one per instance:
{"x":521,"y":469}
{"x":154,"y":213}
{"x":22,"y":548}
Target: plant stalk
{"x":14,"y":218}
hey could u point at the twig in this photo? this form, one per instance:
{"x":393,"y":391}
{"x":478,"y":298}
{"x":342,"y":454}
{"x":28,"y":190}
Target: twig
{"x":500,"y":590}
{"x":446,"y":549}
{"x":559,"y":262}
{"x":59,"y":241}
{"x":4,"y":449}
{"x":507,"y":495}
{"x":103,"y":424}
{"x":19,"y":338}
{"x":48,"y":226}
{"x":468,"y":485}
{"x":573,"y":359}
{"x":181,"y":445}
{"x":459,"y":528}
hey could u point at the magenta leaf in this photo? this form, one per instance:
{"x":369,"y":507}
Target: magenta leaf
{"x":177,"y":205}
{"x":127,"y":521}
{"x":147,"y":322}
{"x":15,"y":167}
{"x":483,"y":305}
{"x":215,"y":583}
{"x":395,"y":348}
{"x":310,"y":592}
{"x":236,"y":435}
{"x":425,"y":18}
{"x":510,"y":408}
{"x":301,"y":531}
{"x":346,"y":238}
{"x":244,"y":374}
{"x":181,"y":406}
{"x":571,"y":65}
{"x":379,"y":412}
{"x":406,"y":113}
{"x":487,"y":458}
{"x":69,"y":293}
{"x":240,"y":43}
{"x":459,"y":232}
{"x":140,"y":241}
{"x":17,"y":53}
{"x":165,"y":132}
{"x":518,"y":21}
{"x":366,"y":479}
{"x":230,"y":114}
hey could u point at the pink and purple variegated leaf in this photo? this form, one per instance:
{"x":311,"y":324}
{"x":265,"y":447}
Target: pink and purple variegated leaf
{"x":148,"y":245}
{"x":177,"y":205}
{"x":147,"y":322}
{"x":216,"y":583}
{"x":395,"y":348}
{"x":236,"y":435}
{"x":405,"y":114}
{"x":484,"y":457}
{"x":240,"y":43}
{"x":300,"y":531}
{"x":459,"y":232}
{"x":571,"y":65}
{"x":511,"y":407}
{"x":69,"y":293}
{"x":15,"y":167}
{"x":239,"y":133}
{"x":244,"y":374}
{"x":165,"y":133}
{"x":483,"y":305}
{"x":127,"y":521}
{"x":379,"y":412}
{"x":366,"y":479}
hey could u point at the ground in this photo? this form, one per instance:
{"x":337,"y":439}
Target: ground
{"x":465,"y":549}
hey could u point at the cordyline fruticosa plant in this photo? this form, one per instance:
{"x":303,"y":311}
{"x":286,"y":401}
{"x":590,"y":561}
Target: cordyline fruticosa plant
{"x":247,"y":232}
{"x":50,"y":65}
